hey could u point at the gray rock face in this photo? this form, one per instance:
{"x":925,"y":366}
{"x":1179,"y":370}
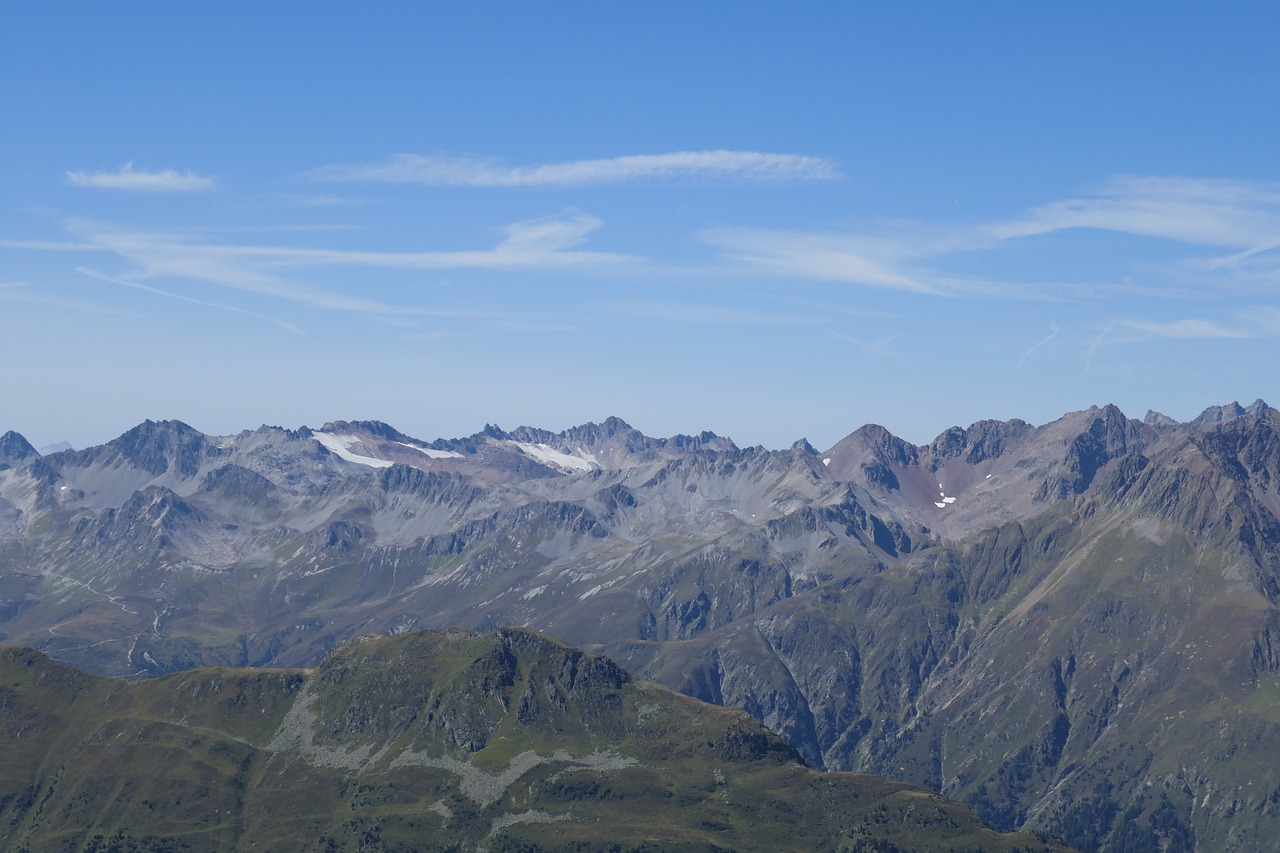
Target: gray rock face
{"x":15,"y":450}
{"x":1019,"y":616}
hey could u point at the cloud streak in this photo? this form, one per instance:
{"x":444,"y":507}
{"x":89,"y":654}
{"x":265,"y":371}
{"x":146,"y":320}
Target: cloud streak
{"x":1205,"y":212}
{"x":179,"y":297}
{"x":704,"y":315}
{"x":22,"y":291}
{"x":1238,"y":216}
{"x":1053,"y":333}
{"x":141,"y":180}
{"x":281,"y":272}
{"x":444,"y":171}
{"x":854,"y":259}
{"x":879,"y":350}
{"x":1189,"y":329}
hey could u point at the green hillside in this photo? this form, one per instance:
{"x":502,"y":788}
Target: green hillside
{"x":505,"y":741}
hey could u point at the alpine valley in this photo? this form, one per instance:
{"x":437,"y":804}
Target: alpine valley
{"x":1073,"y":628}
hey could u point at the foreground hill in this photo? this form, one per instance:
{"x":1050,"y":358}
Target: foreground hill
{"x":428,"y":741}
{"x":1072,"y":627}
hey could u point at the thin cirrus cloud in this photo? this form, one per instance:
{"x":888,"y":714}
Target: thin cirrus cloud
{"x":1189,"y":329}
{"x":141,"y":180}
{"x":1053,"y":333}
{"x":1205,"y":212}
{"x":851,"y":258}
{"x":181,"y":298}
{"x":445,"y":171}
{"x":549,"y":243}
{"x":1215,"y":214}
{"x":702,"y":314}
{"x":23,"y":291}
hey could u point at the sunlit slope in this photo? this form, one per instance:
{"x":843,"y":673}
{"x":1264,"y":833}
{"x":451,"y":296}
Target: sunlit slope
{"x":428,"y":741}
{"x":1067,"y":626}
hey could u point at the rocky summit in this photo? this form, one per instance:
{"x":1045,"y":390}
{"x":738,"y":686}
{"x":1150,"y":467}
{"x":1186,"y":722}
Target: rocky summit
{"x":1072,"y":627}
{"x":451,"y":741}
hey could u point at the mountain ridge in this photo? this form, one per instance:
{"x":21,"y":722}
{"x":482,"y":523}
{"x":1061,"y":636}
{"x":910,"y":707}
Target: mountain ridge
{"x":429,"y":741}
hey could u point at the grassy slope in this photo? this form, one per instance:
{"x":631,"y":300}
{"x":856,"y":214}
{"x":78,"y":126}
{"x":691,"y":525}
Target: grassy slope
{"x":502,"y":741}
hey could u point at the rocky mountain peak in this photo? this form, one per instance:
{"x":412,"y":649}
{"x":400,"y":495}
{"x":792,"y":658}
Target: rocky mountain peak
{"x":593,"y":434}
{"x":705,"y":440}
{"x":1115,"y":431}
{"x":1158,"y":420}
{"x":377,"y":429}
{"x":15,"y":450}
{"x":589,"y":435}
{"x":887,"y":446}
{"x":950,"y":443}
{"x":154,"y":445}
{"x":1220,"y":414}
{"x":803,"y":446}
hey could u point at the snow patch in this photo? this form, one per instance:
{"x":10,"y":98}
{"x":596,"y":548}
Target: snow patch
{"x":591,"y":592}
{"x":431,"y":452}
{"x":537,"y":590}
{"x":826,"y":462}
{"x":939,"y":504}
{"x":557,"y":458}
{"x":988,"y":476}
{"x":949,"y":500}
{"x":339,"y":446}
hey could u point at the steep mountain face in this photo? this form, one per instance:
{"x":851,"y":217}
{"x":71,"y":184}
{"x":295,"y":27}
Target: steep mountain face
{"x":15,"y":450}
{"x":429,"y":741}
{"x":1072,"y":627}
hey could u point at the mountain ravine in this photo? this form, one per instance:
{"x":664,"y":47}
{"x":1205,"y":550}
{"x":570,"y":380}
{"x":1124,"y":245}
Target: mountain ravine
{"x":1071,"y":627}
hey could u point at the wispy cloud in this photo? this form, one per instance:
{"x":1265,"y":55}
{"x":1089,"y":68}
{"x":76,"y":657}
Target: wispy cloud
{"x":1189,"y":329}
{"x":878,"y":350}
{"x":439,"y":170}
{"x":218,"y":305}
{"x":1053,"y":333}
{"x":23,"y":291}
{"x":1265,"y":317}
{"x":1094,"y":346}
{"x":920,"y":257}
{"x":141,"y":180}
{"x":282,"y":272}
{"x":1205,"y":212}
{"x":857,"y":259}
{"x":1244,"y":323}
{"x":548,"y":242}
{"x":704,"y":314}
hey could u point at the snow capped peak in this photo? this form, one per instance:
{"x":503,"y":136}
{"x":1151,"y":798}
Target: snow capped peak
{"x":340,"y":446}
{"x":576,"y":463}
{"x":431,"y":452}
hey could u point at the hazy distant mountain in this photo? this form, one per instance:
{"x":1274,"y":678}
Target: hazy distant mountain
{"x":1072,"y":627}
{"x":56,"y":447}
{"x":502,"y":742}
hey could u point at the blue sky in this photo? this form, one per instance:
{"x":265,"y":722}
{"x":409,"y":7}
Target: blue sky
{"x":768,"y":222}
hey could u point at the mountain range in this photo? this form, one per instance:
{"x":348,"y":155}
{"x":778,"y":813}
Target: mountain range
{"x":1072,"y":627}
